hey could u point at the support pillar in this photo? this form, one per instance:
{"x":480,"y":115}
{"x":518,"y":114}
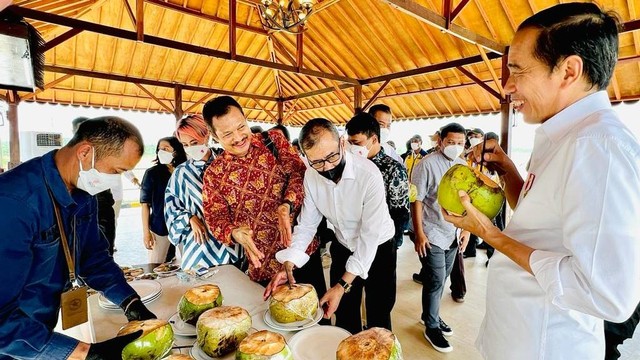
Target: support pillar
{"x":357,"y":99}
{"x":14,"y":134}
{"x":280,"y":112}
{"x":178,"y":112}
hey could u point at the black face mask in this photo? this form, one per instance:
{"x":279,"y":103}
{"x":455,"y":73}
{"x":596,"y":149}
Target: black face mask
{"x":336,"y":173}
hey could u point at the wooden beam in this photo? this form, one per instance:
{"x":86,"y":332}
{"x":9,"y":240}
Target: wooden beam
{"x":47,"y":86}
{"x":299,"y":50}
{"x":429,"y":68}
{"x":60,"y":39}
{"x":269,"y":113}
{"x":482,"y":84}
{"x":129,"y":11}
{"x":357,"y":99}
{"x":198,"y":102}
{"x":232,"y":29}
{"x":628,"y":26}
{"x":492,"y":71}
{"x":160,"y":102}
{"x":317,"y":92}
{"x":130,"y":79}
{"x":375,"y":95}
{"x":628,"y":59}
{"x":14,"y":132}
{"x":507,"y":115}
{"x":140,"y":20}
{"x":172,"y":44}
{"x":446,"y":9}
{"x":342,"y":96}
{"x":283,"y":50}
{"x":177,"y":93}
{"x":198,"y":14}
{"x":276,"y":73}
{"x":615,"y":86}
{"x":428,"y":16}
{"x":291,"y":109}
{"x":280,"y":112}
{"x":456,"y":11}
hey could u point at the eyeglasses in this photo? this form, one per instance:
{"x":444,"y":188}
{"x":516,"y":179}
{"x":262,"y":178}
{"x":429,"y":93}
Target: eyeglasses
{"x":332,"y":158}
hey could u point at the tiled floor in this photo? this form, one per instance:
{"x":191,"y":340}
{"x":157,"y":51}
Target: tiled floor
{"x":464,"y":318}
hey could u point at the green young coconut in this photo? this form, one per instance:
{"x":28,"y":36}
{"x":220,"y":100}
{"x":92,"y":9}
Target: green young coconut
{"x":156,"y":339}
{"x":220,"y":330}
{"x":485,"y":194}
{"x":287,"y":305}
{"x":372,"y":344}
{"x":264,"y":345}
{"x":178,"y":357}
{"x":198,"y":300}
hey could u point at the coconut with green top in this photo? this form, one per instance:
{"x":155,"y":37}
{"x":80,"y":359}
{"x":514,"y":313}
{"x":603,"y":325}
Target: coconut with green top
{"x":264,"y":345}
{"x":372,"y":344}
{"x":198,"y":300}
{"x":296,"y":303}
{"x":156,"y":339}
{"x":220,"y":330}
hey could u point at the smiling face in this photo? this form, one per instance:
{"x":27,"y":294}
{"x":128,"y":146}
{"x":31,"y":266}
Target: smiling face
{"x":233,"y":132}
{"x":534,"y":90}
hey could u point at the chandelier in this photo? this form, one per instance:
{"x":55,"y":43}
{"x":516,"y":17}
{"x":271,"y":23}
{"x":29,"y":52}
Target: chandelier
{"x":285,"y":15}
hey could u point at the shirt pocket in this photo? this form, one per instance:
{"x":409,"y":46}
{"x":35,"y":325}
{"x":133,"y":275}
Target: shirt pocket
{"x":45,"y":249}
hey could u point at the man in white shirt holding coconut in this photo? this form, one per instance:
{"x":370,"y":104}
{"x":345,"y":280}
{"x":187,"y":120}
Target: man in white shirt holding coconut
{"x":570,"y":255}
{"x":349,"y":191}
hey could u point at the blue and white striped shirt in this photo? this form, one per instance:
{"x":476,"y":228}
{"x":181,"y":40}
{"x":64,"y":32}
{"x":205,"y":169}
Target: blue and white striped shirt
{"x":183,"y":199}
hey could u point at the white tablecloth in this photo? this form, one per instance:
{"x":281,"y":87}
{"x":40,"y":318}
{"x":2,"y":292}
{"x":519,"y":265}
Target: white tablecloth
{"x":235,"y":286}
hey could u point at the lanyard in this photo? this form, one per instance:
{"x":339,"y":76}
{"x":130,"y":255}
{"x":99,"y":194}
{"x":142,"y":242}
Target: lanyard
{"x":65,"y":245}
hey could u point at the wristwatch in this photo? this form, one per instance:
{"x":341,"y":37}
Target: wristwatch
{"x":345,"y":285}
{"x":291,"y":206}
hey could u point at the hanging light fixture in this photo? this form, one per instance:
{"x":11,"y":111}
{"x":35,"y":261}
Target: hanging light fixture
{"x":285,"y":15}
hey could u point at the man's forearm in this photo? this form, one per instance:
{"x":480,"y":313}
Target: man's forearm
{"x":416,"y":217}
{"x":513,"y":185}
{"x":513,"y":249}
{"x":80,"y":352}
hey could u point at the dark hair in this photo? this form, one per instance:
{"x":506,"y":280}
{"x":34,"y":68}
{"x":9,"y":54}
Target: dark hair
{"x":295,"y":143}
{"x":379,"y":107}
{"x":363,"y":123}
{"x":580,"y":29}
{"x":282,"y":129}
{"x":256,"y":129}
{"x":492,"y":135}
{"x":217,"y":107}
{"x":107,"y":134}
{"x":180,"y":155}
{"x":416,"y":137}
{"x":313,"y":129}
{"x":451,"y":128}
{"x":75,"y":123}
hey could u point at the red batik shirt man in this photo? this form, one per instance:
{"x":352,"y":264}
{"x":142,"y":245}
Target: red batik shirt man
{"x":252,"y":191}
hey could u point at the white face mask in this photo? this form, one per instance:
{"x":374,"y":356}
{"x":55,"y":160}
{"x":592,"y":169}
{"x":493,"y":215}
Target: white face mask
{"x":92,"y":181}
{"x":384,"y":135}
{"x":434,"y":144}
{"x":358,"y":150}
{"x":453,"y":151}
{"x":196,"y":152}
{"x":415,"y":146}
{"x":475,"y":141}
{"x":165,"y":157}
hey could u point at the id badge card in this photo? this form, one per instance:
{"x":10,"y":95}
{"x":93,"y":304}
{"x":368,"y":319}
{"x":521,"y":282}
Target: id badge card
{"x":73,"y":304}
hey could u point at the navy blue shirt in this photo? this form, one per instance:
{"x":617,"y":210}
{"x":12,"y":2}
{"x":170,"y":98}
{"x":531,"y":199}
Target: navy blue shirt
{"x":154,"y":183}
{"x":34,"y":271}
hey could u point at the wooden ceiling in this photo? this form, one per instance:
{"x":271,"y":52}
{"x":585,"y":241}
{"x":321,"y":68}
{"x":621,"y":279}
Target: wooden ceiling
{"x":153,"y":54}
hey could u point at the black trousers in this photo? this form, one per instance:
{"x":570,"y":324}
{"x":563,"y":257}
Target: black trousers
{"x":458,"y":284}
{"x":380,"y":288}
{"x":616,"y":333}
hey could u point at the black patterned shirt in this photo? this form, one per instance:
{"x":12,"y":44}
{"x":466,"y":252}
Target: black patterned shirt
{"x":396,"y":183}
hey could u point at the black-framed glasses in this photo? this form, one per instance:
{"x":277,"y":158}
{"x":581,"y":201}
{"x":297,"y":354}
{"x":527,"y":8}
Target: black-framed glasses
{"x":331,"y":159}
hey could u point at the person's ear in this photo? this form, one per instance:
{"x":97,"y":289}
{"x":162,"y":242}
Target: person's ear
{"x":571,"y":69}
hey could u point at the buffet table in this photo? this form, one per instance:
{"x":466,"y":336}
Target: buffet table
{"x":235,"y":286}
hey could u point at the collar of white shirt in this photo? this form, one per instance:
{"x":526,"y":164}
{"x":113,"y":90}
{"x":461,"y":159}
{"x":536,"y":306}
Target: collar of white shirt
{"x":561,"y":123}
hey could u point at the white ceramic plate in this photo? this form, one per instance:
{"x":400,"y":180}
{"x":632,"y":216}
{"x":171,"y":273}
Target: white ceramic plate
{"x":294,"y":326}
{"x":197,"y":353}
{"x":180,"y":327}
{"x":170,"y":269}
{"x":325,"y":340}
{"x":148,"y":290}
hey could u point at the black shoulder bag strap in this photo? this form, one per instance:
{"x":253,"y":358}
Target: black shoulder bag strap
{"x":266,"y":139}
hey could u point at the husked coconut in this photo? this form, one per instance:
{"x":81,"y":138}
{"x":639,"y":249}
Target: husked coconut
{"x":372,"y":344}
{"x":485,"y":194}
{"x":220,"y":330}
{"x":264,"y":345}
{"x":197,"y":300}
{"x":178,"y":357}
{"x":287,"y":305}
{"x":155,"y":341}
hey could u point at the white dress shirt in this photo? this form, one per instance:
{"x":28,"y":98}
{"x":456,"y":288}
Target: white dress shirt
{"x":580,"y":210}
{"x":355,"y":206}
